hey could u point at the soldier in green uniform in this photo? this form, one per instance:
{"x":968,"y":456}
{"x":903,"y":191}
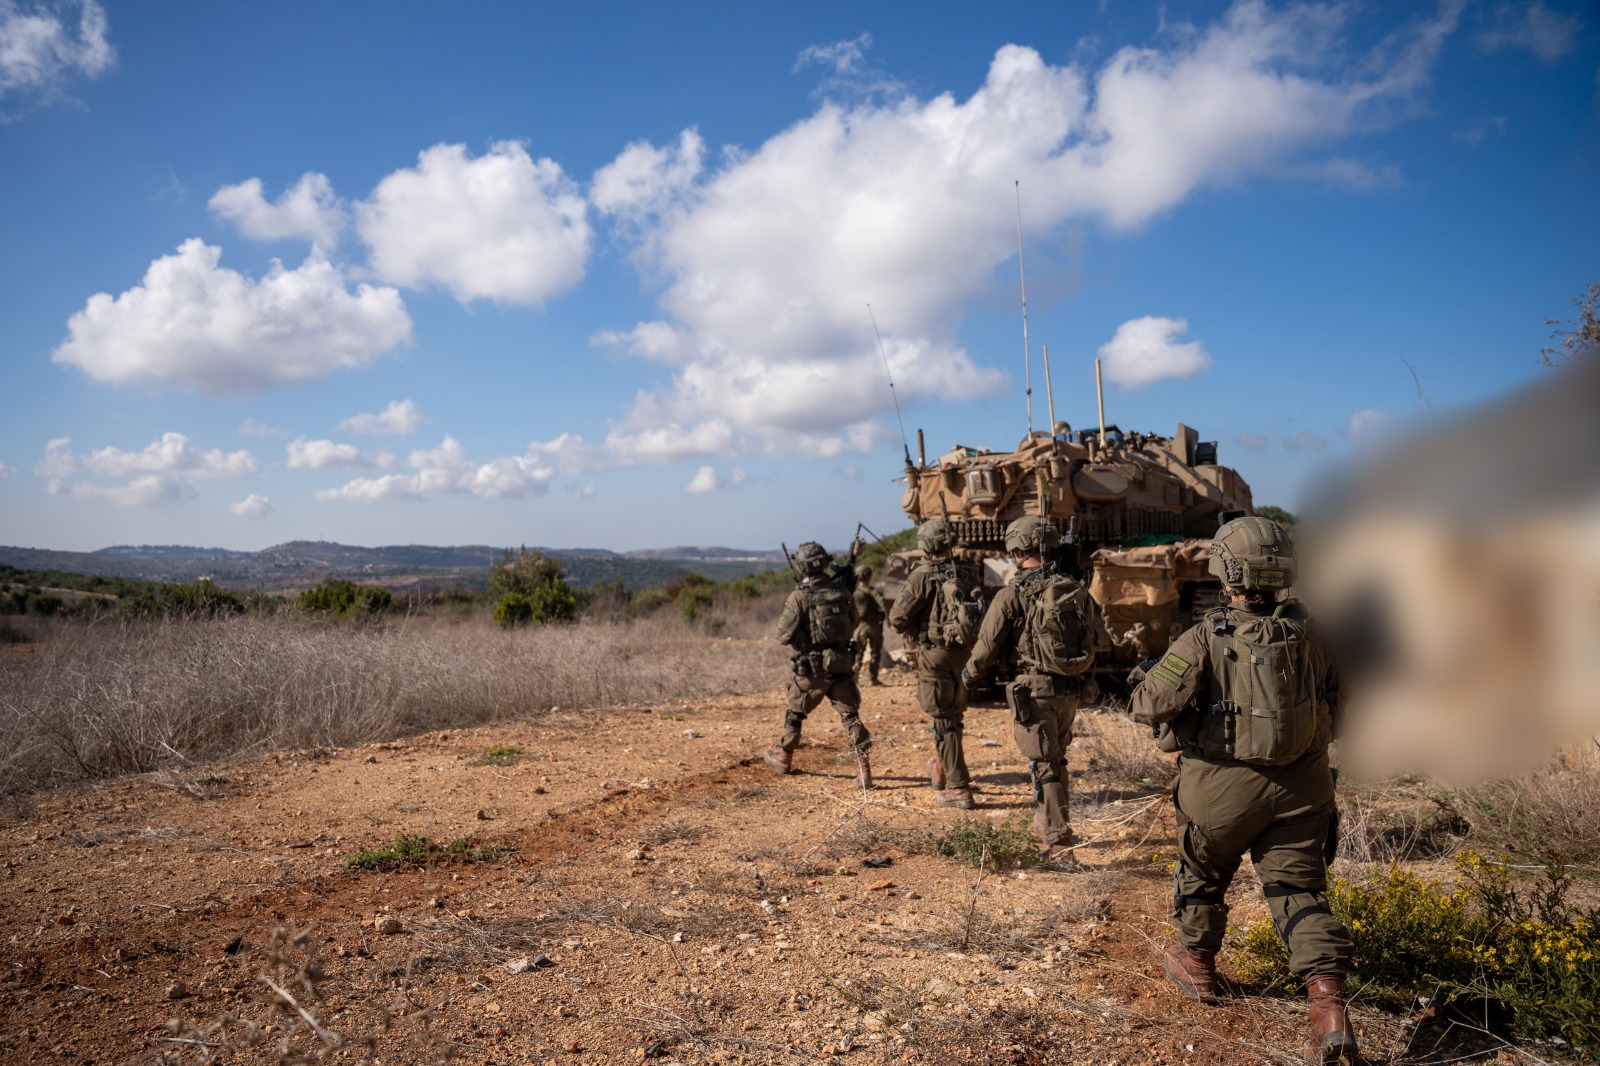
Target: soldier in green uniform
{"x":1041,"y":628}
{"x":818,"y":620}
{"x":1251,"y":698}
{"x":869,"y":631}
{"x":925,"y":614}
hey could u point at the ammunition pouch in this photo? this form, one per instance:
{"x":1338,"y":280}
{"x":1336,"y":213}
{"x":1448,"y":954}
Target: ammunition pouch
{"x":836,"y":660}
{"x":1021,"y":710}
{"x":1181,"y":733}
{"x":1049,"y":686}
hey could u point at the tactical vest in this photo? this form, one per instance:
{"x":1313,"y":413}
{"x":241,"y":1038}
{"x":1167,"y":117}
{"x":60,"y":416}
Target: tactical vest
{"x":1265,"y":704}
{"x":1056,"y":636}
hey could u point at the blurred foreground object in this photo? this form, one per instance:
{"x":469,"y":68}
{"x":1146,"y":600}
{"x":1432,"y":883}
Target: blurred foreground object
{"x":1459,"y":569}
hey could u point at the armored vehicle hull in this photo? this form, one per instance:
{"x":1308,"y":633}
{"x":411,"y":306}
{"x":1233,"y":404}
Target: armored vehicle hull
{"x":1141,"y":508}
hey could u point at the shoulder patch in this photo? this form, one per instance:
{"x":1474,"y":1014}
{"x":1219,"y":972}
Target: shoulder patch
{"x":1170,"y":670}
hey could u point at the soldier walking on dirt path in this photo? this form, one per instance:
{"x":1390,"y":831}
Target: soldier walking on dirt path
{"x":869,"y":630}
{"x":818,"y":621}
{"x":938,"y":613}
{"x":1251,"y":698}
{"x":1042,"y":629}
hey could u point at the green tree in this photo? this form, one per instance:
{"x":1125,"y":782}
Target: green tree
{"x":345,"y":599}
{"x":530,"y":587}
{"x":1278,"y":515}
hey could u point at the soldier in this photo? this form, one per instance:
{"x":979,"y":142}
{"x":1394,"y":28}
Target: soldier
{"x":1251,"y":698}
{"x":1042,"y":628}
{"x":936,"y":612}
{"x":869,"y":631}
{"x":817,"y":622}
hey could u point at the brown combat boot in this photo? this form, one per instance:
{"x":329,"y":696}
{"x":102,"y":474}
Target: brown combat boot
{"x":863,"y":771}
{"x":936,"y":774}
{"x":957,"y":797}
{"x":1196,"y":974}
{"x":780,"y":760}
{"x":1331,"y":1039}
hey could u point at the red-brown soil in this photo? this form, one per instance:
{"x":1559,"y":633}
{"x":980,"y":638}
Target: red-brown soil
{"x":691,"y":906}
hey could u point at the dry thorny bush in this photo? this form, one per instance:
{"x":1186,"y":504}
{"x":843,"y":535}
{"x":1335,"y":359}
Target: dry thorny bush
{"x":134,"y":696}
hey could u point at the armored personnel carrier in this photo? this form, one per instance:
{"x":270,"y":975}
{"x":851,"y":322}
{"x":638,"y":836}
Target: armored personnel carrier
{"x":1142,"y":509}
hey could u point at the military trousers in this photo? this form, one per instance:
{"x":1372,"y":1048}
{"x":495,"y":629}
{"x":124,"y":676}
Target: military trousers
{"x":1042,"y":728}
{"x":1282,"y":817}
{"x":806,"y":692}
{"x":869,"y":649}
{"x":943,"y":699}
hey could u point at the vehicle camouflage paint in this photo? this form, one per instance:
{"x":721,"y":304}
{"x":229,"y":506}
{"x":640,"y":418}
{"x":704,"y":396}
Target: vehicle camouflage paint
{"x":1142,"y":509}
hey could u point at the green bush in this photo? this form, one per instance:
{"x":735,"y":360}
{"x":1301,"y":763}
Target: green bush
{"x":530,"y":588}
{"x":345,"y":599}
{"x":420,"y":851}
{"x":980,"y":842}
{"x":1526,"y":948}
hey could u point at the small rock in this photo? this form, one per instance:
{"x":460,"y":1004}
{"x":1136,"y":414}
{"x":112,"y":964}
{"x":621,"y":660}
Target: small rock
{"x":491,"y":1008}
{"x":370,"y":759}
{"x":522,"y":965}
{"x":387,"y":925}
{"x":177,"y":990}
{"x":572,"y":1047}
{"x":875,"y":1020}
{"x":483,"y":815}
{"x":879,"y":886}
{"x":691,"y":734}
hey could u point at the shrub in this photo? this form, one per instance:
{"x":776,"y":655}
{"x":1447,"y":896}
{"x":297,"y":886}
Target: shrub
{"x":1527,"y":949}
{"x":501,"y":754}
{"x":980,"y":842}
{"x":345,"y":599}
{"x":420,"y":851}
{"x":530,"y":588}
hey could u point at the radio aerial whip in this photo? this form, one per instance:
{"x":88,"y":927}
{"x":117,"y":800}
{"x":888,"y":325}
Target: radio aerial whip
{"x":895,"y":396}
{"x":1027,"y":358}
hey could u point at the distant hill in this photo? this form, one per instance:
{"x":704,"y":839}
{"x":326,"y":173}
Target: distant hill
{"x":301,"y":563}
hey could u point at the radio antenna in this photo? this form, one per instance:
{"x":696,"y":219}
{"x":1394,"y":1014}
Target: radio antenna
{"x":1027,"y":358}
{"x":894,"y":395}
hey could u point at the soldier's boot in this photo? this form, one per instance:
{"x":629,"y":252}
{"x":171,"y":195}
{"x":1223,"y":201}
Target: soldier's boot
{"x":936,"y":774}
{"x":863,"y":771}
{"x":780,"y":760}
{"x":957,"y":797}
{"x":1331,"y":1039}
{"x":1196,"y":974}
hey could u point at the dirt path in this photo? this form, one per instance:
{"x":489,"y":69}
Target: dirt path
{"x":668,"y":899}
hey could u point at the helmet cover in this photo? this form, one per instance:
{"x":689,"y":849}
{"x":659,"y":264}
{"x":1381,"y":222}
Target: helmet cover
{"x":1253,"y":553}
{"x":1030,"y":534}
{"x":935,"y":536}
{"x":812,"y":557}
{"x":863,"y":572}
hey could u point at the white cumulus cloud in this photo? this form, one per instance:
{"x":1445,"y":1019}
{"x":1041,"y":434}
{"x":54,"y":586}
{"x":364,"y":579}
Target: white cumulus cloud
{"x":1306,"y":441}
{"x":1146,"y":350}
{"x":43,"y":46}
{"x":308,"y":209}
{"x":306,"y":454}
{"x":766,"y":263}
{"x":446,"y":470}
{"x":193,"y":325}
{"x":252,"y":506}
{"x":705,"y":480}
{"x":400,"y":419}
{"x":1365,"y":421}
{"x":163,"y":471}
{"x":502,"y":226}
{"x":251,"y":427}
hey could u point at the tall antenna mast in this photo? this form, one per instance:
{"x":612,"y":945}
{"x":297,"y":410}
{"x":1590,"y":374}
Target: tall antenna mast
{"x":1027,"y":358}
{"x":894,"y":395}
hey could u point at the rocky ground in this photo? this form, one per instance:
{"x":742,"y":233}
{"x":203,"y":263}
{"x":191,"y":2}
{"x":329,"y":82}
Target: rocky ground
{"x":665,"y":897}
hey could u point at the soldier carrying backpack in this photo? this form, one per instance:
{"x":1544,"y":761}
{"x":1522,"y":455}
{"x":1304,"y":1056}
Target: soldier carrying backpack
{"x":818,"y":622}
{"x":938,"y":612}
{"x":1042,"y":629}
{"x":1250,"y":697}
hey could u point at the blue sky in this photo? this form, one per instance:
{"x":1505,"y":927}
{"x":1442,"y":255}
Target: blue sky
{"x":535,"y":274}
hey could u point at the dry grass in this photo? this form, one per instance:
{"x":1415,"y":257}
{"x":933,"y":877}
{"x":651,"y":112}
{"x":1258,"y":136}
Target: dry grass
{"x":1553,"y":812}
{"x":1107,"y":741}
{"x":120,"y":697}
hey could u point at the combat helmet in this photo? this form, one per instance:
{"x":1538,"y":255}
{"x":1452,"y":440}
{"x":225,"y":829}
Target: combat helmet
{"x":935,"y":536}
{"x":812,"y":558}
{"x":864,"y":573}
{"x":1030,"y":534}
{"x":1253,"y":553}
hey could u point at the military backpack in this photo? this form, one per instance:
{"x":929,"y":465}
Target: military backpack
{"x":830,"y":613}
{"x":1271,"y":711}
{"x":1056,"y":637}
{"x":957,"y":610}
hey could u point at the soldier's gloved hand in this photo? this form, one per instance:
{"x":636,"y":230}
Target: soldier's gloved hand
{"x":1138,"y":673}
{"x":966,"y":678}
